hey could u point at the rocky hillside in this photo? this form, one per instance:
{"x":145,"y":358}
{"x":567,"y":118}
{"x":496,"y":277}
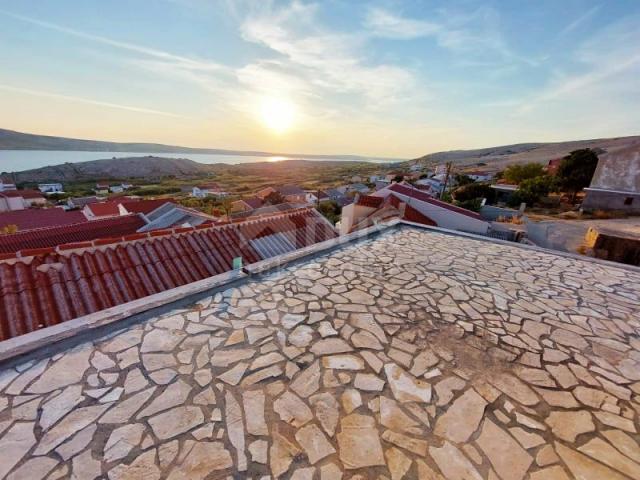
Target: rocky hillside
{"x":116,"y":168}
{"x":496,"y":158}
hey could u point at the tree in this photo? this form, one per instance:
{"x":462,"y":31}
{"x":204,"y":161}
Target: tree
{"x":473,"y":191}
{"x":518,"y":173}
{"x":226,"y":204}
{"x":462,"y":179}
{"x":274,"y":198}
{"x":331,"y":210}
{"x":576,"y":171}
{"x":532,"y":190}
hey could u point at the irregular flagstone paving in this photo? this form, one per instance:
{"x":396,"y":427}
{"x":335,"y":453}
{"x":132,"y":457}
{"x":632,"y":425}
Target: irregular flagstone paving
{"x":410,"y":355}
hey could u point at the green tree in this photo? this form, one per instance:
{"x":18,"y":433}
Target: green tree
{"x":462,"y":179}
{"x":274,"y":198}
{"x":576,"y":171}
{"x":518,"y":173}
{"x":532,"y":190}
{"x":473,"y":191}
{"x":331,"y":210}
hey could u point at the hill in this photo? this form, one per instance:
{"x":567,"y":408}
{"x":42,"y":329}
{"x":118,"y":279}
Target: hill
{"x":11,"y":140}
{"x":115,"y":168}
{"x":497,"y":158}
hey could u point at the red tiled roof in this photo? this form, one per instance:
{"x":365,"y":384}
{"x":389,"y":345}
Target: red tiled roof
{"x":104,"y":209}
{"x":30,"y":219}
{"x":253,"y":202}
{"x":22,"y":193}
{"x":420,"y":195}
{"x":410,"y":213}
{"x":145,"y":206}
{"x":56,"y":286}
{"x":78,"y":232}
{"x":370,"y":201}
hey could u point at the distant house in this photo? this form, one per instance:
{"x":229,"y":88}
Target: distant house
{"x":6,"y":184}
{"x":315,"y":196}
{"x":246,"y":204}
{"x":416,"y":167}
{"x":404,"y":201}
{"x":80,"y":202}
{"x":375,"y":178}
{"x":432,"y":183}
{"x":11,"y":200}
{"x":120,"y":188}
{"x":504,"y":191}
{"x":616,"y":182}
{"x":101,"y":189}
{"x":206,"y":190}
{"x":50,"y":188}
{"x":290,"y":193}
{"x":120,"y":207}
{"x":479,"y":176}
{"x":390,"y":177}
{"x":357,"y":179}
{"x":553,"y":165}
{"x":352,"y":188}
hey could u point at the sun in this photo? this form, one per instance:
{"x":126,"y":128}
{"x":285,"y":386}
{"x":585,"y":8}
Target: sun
{"x":277,"y":114}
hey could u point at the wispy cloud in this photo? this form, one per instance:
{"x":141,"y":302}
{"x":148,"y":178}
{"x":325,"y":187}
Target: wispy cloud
{"x":586,"y":16}
{"x":185,"y":62}
{"x":608,"y":62}
{"x":88,"y":101}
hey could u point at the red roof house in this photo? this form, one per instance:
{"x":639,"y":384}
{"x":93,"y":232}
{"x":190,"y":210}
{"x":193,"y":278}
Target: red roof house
{"x":63,"y":283}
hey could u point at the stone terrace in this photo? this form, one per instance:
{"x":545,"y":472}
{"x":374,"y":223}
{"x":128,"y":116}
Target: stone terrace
{"x":414,"y":354}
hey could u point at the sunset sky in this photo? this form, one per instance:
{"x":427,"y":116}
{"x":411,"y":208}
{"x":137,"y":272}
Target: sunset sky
{"x":379,"y":78}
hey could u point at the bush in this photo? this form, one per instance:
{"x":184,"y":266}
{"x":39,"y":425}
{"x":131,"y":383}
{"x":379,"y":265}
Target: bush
{"x":331,"y":210}
{"x":532,"y":190}
{"x":474,"y":204}
{"x":519,"y":173}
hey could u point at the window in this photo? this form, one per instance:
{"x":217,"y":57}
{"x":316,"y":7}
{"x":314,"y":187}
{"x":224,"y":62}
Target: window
{"x":628,"y":200}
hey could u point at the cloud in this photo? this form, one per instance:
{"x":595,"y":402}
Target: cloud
{"x":386,"y":24}
{"x":607,"y":63}
{"x":327,"y":60}
{"x":88,"y":101}
{"x":580,"y":20}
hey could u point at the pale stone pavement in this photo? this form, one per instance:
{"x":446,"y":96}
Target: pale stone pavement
{"x":412,"y":355}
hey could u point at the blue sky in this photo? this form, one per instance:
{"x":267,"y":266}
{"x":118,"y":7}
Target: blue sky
{"x":383,"y":78}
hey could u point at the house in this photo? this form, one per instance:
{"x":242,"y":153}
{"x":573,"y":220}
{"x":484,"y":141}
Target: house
{"x":101,"y":189}
{"x":433,"y":185}
{"x":266,"y":211}
{"x":616,"y":182}
{"x":290,"y":193}
{"x":504,"y":192}
{"x":375,"y":178}
{"x":70,"y":281}
{"x":553,"y":165}
{"x":208,"y":189}
{"x":420,"y":205}
{"x":53,"y":236}
{"x":392,"y":176}
{"x":315,"y":196}
{"x":479,"y":176}
{"x":49,"y":188}
{"x":122,"y":206}
{"x":353,"y":188}
{"x":20,"y":199}
{"x":116,"y":189}
{"x":80,"y":202}
{"x":416,"y":167}
{"x":6,"y":184}
{"x":246,"y":204}
{"x":538,"y":352}
{"x":170,"y":215}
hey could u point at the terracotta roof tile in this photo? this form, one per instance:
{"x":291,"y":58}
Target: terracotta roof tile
{"x":420,"y":195}
{"x":370,"y":201}
{"x":58,"y":286}
{"x":30,"y":219}
{"x":77,"y":232}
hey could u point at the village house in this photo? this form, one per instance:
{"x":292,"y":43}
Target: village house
{"x":616,"y":182}
{"x":49,"y":188}
{"x":290,"y":193}
{"x":20,"y":199}
{"x":207,"y":190}
{"x":247,"y":204}
{"x":479,"y":176}
{"x":6,"y":184}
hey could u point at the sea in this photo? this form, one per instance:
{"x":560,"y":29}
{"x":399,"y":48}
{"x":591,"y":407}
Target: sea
{"x":17,"y":160}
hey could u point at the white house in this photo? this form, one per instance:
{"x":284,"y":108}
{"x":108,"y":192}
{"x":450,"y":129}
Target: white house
{"x":12,"y":200}
{"x":210,"y":189}
{"x":6,"y":185}
{"x":479,"y":176}
{"x":50,"y":188}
